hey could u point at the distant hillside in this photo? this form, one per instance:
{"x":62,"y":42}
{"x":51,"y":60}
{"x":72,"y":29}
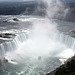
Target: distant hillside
{"x":27,"y":8}
{"x":71,"y":14}
{"x":34,"y":8}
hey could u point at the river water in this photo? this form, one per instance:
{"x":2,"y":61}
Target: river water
{"x":39,"y":46}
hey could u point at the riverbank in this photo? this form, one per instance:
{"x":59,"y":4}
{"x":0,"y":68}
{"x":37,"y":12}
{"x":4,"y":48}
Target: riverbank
{"x":68,"y":68}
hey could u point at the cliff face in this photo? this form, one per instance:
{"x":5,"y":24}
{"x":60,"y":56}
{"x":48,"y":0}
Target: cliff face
{"x":66,"y":69}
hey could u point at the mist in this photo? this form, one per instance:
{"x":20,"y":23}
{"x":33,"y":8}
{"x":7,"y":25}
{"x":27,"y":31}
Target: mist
{"x":56,"y":9}
{"x":42,"y":39}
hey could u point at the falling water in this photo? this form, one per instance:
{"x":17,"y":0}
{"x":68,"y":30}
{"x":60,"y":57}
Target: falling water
{"x":43,"y":37}
{"x":33,"y":52}
{"x":13,"y":44}
{"x":42,"y":40}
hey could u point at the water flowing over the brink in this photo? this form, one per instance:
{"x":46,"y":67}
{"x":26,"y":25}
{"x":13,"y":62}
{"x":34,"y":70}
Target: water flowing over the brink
{"x":12,"y":45}
{"x":37,"y":50}
{"x":68,"y":41}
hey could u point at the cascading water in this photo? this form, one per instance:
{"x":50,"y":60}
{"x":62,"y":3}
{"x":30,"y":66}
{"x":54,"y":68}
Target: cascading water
{"x":13,"y":44}
{"x":37,"y":51}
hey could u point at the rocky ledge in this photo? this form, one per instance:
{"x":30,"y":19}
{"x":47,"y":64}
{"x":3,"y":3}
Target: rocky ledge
{"x":68,"y":68}
{"x":7,"y":35}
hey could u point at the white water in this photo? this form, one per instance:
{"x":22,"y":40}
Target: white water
{"x":42,"y":40}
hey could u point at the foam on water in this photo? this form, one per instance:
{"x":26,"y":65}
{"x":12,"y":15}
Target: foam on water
{"x":33,"y":50}
{"x":42,"y":41}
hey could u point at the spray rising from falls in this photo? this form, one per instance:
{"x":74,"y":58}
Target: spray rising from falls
{"x":43,"y":40}
{"x":56,"y":9}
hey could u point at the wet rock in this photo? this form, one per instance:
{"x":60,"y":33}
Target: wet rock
{"x":52,"y":73}
{"x":3,"y":60}
{"x":4,"y":21}
{"x":15,"y":19}
{"x":72,"y":33}
{"x":7,"y":35}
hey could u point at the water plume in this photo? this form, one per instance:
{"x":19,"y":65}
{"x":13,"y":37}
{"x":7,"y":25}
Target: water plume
{"x":43,"y":39}
{"x":56,"y":9}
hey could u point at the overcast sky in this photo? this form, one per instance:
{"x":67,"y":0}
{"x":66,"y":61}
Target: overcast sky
{"x":68,"y":0}
{"x":36,"y":0}
{"x":14,"y":0}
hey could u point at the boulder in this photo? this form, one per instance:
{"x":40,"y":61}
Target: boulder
{"x":15,"y":19}
{"x":3,"y":60}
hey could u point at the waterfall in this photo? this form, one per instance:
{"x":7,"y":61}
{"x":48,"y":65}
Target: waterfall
{"x":23,"y":36}
{"x":65,"y":39}
{"x":13,"y":44}
{"x":68,"y":41}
